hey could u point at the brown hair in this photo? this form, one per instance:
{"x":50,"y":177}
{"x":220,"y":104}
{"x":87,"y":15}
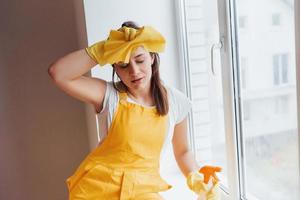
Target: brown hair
{"x":158,"y":91}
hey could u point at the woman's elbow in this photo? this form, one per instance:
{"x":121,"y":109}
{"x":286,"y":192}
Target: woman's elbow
{"x":52,"y":72}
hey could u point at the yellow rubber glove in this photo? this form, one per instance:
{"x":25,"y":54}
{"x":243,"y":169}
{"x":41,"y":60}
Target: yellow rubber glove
{"x":205,"y":183}
{"x":195,"y":181}
{"x":214,"y":192}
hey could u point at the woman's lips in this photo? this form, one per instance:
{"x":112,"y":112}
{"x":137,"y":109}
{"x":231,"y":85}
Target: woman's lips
{"x":137,"y":80}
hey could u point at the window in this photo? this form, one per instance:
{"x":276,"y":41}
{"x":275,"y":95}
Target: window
{"x":276,"y":19}
{"x":207,"y":125}
{"x":281,"y":105}
{"x":271,"y":133}
{"x":261,"y":149}
{"x":280,"y":69}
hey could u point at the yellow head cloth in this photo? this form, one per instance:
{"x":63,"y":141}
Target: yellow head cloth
{"x":122,"y":42}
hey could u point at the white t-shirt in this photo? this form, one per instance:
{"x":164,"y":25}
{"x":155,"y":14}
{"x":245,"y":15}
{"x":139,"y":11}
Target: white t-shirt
{"x":179,"y":107}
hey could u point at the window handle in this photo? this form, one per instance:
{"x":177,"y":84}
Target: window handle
{"x":218,"y":45}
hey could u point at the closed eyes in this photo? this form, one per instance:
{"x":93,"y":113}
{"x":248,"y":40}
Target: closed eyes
{"x":125,"y":65}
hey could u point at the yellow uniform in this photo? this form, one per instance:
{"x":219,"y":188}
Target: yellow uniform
{"x":126,"y":165}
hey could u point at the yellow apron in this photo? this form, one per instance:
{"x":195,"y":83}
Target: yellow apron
{"x":126,"y":165}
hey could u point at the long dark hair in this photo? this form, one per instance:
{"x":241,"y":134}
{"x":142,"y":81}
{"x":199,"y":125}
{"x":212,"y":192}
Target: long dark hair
{"x":158,"y":91}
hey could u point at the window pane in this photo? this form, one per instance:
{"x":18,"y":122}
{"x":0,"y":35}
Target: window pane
{"x":284,"y":64}
{"x":276,"y":19}
{"x":276,"y":69}
{"x":206,"y":90}
{"x":269,"y":123}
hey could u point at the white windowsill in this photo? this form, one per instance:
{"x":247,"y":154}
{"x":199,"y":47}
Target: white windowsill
{"x":179,"y":190}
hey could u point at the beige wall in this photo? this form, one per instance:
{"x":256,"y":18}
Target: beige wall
{"x":43,"y":132}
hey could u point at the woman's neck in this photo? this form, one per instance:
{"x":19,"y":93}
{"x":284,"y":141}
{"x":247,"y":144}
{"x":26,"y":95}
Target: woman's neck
{"x":142,"y":97}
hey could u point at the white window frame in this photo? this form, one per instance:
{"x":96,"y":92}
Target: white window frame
{"x":297,"y":56}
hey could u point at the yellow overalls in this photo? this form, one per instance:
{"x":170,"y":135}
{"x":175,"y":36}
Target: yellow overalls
{"x":126,"y":165}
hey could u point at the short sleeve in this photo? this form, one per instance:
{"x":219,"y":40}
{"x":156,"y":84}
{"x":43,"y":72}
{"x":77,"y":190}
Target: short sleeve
{"x":106,"y":114}
{"x":181,"y":104}
{"x":110,"y":95}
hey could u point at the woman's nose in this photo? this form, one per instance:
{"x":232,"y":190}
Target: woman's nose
{"x":133,"y":68}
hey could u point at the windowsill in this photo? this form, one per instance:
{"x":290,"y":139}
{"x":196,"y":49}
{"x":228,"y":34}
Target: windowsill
{"x":179,"y":190}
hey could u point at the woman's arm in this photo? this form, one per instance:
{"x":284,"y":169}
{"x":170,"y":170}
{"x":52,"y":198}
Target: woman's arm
{"x":196,"y":181}
{"x":68,"y":74}
{"x":184,"y":156}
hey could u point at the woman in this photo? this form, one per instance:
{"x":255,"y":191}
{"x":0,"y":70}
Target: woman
{"x":140,"y":110}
